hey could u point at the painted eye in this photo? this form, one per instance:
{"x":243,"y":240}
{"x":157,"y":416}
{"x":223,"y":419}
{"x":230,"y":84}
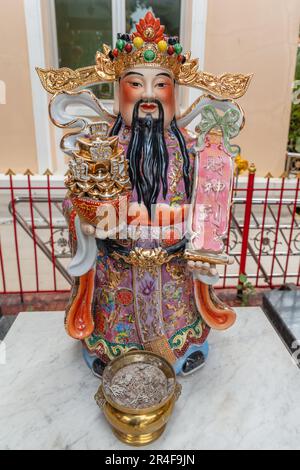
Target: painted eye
{"x":136,"y":84}
{"x":161,"y":85}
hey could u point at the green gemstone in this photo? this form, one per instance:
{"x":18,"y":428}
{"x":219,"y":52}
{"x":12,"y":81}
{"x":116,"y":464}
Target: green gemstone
{"x":178,"y":48}
{"x":120,"y":44}
{"x":149,"y":56}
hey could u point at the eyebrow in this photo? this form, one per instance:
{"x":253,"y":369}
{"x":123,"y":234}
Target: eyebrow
{"x":164,"y":75}
{"x":133,"y":73}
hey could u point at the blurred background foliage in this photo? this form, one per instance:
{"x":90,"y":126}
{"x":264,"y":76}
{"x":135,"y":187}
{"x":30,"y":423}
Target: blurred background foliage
{"x":294,"y":133}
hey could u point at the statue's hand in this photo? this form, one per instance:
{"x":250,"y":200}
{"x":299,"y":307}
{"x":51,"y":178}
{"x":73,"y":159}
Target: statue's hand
{"x":88,"y":229}
{"x":204,"y":272}
{"x":97,"y":232}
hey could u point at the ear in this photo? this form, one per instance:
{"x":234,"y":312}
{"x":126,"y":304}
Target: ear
{"x":116,"y":107}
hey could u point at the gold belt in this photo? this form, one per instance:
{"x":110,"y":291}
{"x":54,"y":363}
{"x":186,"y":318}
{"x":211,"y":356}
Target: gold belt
{"x":151,"y":258}
{"x":146,"y":259}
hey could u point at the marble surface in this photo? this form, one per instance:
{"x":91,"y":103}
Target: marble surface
{"x":247,"y":396}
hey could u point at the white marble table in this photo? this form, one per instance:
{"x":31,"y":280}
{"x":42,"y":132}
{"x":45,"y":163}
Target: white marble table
{"x":247,"y":397}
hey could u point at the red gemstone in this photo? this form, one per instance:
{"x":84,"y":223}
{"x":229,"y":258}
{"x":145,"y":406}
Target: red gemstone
{"x":128,"y":48}
{"x":171,"y":50}
{"x":115,"y":52}
{"x":180,"y":58}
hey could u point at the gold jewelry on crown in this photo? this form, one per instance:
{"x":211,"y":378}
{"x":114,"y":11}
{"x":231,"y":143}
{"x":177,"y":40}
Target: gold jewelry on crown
{"x":105,"y":68}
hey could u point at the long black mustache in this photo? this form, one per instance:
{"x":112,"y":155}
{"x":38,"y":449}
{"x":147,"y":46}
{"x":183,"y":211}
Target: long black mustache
{"x":148,"y":155}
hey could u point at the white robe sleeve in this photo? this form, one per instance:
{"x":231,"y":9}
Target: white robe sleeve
{"x":86,"y":253}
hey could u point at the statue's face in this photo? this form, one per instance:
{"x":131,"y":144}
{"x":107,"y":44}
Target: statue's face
{"x":149,"y":84}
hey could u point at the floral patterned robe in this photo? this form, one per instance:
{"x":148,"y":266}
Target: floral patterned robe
{"x":135,"y":308}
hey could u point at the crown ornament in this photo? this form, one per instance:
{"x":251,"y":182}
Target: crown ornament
{"x":148,"y":46}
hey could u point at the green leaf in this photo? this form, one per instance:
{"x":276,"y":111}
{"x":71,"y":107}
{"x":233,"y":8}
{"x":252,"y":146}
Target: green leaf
{"x":248,"y":285}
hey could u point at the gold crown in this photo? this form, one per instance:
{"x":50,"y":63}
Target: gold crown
{"x":106,"y":69}
{"x":147,"y":47}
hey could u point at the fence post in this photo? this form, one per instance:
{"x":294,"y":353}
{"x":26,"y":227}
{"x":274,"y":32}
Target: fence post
{"x":48,"y":173}
{"x":246,"y":229}
{"x":10,"y":174}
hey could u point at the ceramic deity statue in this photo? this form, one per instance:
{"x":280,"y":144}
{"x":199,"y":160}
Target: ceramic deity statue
{"x":148,"y":200}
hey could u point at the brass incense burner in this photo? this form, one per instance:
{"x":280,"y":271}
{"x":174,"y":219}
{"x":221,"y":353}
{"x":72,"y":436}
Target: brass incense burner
{"x":138,"y":427}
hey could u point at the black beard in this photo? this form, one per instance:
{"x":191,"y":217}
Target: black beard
{"x":148,"y":155}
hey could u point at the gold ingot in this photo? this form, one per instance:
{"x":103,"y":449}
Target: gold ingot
{"x":138,"y":427}
{"x":87,"y":144}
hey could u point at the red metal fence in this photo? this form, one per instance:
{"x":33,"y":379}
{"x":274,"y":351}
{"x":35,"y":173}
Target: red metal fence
{"x":263,"y":235}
